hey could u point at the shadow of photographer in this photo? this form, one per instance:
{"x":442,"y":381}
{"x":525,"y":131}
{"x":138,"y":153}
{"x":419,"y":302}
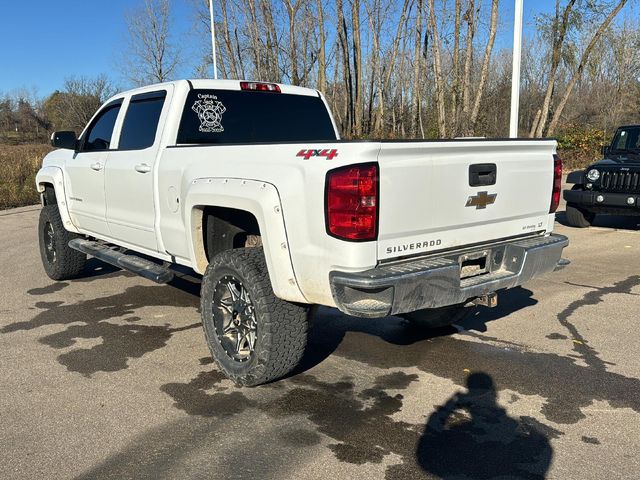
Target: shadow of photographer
{"x":470,"y":435}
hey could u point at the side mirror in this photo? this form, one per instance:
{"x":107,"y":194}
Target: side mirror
{"x":606,"y":150}
{"x":66,"y":140}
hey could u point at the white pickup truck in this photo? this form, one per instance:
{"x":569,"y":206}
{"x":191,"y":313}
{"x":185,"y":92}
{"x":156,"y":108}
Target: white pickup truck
{"x":249,"y":185}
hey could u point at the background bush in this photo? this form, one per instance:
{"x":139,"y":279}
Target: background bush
{"x":18,"y":167}
{"x":579,"y":146}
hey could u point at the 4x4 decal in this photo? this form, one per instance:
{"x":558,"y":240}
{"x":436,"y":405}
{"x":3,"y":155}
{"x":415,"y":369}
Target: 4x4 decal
{"x":328,"y":153}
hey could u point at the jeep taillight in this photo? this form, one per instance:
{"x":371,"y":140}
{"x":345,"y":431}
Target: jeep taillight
{"x":557,"y":184}
{"x":352,"y":202}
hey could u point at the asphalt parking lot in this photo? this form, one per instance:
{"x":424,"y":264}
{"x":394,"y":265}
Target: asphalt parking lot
{"x":109,"y":376}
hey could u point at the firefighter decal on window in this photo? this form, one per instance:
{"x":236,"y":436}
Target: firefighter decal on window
{"x":209,"y":110}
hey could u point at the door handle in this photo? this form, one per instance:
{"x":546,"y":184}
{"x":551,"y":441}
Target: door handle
{"x":96,"y":166}
{"x":143,"y":168}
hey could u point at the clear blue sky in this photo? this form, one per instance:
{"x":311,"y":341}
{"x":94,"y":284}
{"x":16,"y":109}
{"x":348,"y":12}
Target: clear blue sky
{"x":44,"y":41}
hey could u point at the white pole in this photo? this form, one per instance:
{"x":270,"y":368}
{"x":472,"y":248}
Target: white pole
{"x":515,"y":76}
{"x":213,"y":40}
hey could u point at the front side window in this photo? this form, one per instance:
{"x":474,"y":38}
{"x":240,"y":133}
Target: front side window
{"x":141,"y":122}
{"x":98,"y":135}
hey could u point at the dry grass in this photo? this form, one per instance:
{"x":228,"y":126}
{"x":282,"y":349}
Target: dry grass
{"x":18,"y":167}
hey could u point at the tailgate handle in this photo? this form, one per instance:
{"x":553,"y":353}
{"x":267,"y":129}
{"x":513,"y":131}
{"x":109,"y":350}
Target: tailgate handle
{"x":482,"y":174}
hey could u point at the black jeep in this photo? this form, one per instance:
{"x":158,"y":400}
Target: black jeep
{"x":609,"y":186}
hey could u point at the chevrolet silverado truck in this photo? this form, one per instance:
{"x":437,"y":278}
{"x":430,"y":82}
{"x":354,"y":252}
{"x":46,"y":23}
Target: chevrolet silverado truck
{"x":249,"y":185}
{"x":608,"y":186}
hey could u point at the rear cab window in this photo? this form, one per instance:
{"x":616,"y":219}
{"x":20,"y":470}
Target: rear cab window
{"x":231,"y":116}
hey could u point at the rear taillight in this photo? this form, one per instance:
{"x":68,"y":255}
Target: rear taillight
{"x":260,"y":87}
{"x":352,"y":202}
{"x":557,"y":184}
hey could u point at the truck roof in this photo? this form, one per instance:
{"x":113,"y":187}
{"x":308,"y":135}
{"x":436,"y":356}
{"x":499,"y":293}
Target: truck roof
{"x":207,"y":83}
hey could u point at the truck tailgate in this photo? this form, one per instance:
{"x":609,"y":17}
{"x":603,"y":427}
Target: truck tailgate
{"x":427,"y":202}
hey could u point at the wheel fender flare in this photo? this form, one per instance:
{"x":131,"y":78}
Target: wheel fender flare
{"x":54,"y":176}
{"x":262,"y":200}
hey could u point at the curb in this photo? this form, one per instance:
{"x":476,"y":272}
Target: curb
{"x":15,"y":211}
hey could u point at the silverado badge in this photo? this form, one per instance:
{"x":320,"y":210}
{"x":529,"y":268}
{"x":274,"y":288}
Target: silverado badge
{"x":481,"y":200}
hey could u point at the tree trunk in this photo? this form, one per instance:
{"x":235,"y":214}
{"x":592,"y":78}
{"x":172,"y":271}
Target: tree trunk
{"x":292,"y":10}
{"x":386,"y":86}
{"x":357,"y":66}
{"x":455,"y":94}
{"x":559,"y":32}
{"x":437,"y":66}
{"x":471,"y":18}
{"x":417,"y":71}
{"x":322,"y":61}
{"x":534,"y":126}
{"x":343,"y":41}
{"x":484,"y":72}
{"x":274,"y":73}
{"x":226,"y":34}
{"x":255,"y":40}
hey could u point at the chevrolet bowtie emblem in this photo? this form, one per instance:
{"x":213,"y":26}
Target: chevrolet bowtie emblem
{"x":481,"y":200}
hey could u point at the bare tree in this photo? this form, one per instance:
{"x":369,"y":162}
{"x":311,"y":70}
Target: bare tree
{"x":151,"y":55}
{"x":417,"y":73}
{"x":73,"y":107}
{"x":559,"y":27}
{"x":583,"y":62}
{"x":357,"y":67}
{"x":437,"y":65}
{"x":484,"y":71}
{"x":322,"y":47}
{"x":574,"y":16}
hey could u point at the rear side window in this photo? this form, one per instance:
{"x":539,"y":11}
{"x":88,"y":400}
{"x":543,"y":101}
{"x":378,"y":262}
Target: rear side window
{"x":98,"y":136}
{"x":230,"y":116}
{"x":141,"y":121}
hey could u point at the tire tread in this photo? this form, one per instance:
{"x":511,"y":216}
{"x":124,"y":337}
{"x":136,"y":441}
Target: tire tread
{"x":284,"y":324}
{"x":577,"y":217}
{"x":69,"y":262}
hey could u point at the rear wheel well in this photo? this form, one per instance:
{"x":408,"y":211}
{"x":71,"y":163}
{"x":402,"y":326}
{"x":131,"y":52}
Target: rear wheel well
{"x":228,"y":228}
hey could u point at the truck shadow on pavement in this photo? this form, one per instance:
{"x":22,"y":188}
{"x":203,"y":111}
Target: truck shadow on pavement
{"x":93,"y":268}
{"x":330,"y":327}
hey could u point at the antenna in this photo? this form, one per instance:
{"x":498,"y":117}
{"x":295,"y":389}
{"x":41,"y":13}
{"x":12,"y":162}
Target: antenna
{"x":213,"y":40}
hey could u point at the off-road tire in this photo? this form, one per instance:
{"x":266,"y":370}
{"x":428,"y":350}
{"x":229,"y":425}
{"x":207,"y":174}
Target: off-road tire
{"x":67,"y":263}
{"x":281,"y":326}
{"x":429,"y":318}
{"x":576,"y":217}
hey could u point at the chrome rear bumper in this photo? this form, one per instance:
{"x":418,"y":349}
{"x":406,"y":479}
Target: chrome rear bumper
{"x":415,"y":284}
